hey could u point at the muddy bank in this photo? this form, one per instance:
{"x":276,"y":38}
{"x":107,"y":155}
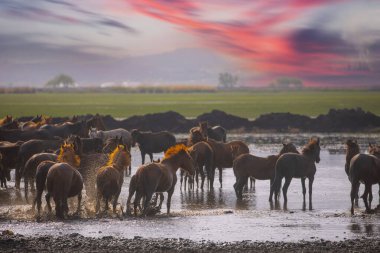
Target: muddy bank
{"x":76,"y":242}
{"x":344,"y":120}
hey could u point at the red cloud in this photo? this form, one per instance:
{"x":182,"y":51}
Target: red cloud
{"x":259,"y":39}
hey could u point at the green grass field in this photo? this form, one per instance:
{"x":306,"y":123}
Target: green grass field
{"x":245,"y":104}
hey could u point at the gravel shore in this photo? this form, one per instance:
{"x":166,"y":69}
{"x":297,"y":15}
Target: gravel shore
{"x":77,"y":243}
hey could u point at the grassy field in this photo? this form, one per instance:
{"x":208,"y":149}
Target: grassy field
{"x":245,"y":104}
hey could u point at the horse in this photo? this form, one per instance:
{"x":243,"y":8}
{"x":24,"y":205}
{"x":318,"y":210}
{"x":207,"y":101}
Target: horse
{"x":352,"y":149}
{"x":160,"y":177}
{"x":203,"y":156}
{"x":150,"y":143}
{"x":89,"y":163}
{"x":66,"y":129}
{"x":7,"y":119}
{"x":14,"y":135}
{"x":3,"y":173}
{"x":262,"y":168}
{"x":105,"y":135}
{"x":88,"y":145}
{"x":302,"y":166}
{"x":217,"y":133}
{"x":96,"y":122}
{"x":364,"y":169}
{"x":14,"y":124}
{"x":63,"y":181}
{"x":111,"y":144}
{"x":9,"y":161}
{"x":224,"y":153}
{"x":28,"y":149}
{"x":110,"y":178}
{"x":30,"y":168}
{"x":36,"y":124}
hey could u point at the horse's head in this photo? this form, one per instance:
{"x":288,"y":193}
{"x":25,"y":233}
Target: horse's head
{"x":68,"y":155}
{"x":313,"y":149}
{"x":120,"y":157}
{"x":181,"y":154}
{"x":96,"y":122}
{"x":203,"y":126}
{"x":352,"y":148}
{"x":374,"y":150}
{"x":37,"y":119}
{"x":111,"y":144}
{"x":136,"y":135}
{"x":288,"y":148}
{"x":93,"y":132}
{"x":47,"y":120}
{"x":195,"y":136}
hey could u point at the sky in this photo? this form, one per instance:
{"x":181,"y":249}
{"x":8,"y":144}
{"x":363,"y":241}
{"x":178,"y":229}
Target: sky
{"x":328,"y":43}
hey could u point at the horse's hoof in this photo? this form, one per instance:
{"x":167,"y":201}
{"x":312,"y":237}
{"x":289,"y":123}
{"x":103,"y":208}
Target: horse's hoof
{"x":370,"y":211}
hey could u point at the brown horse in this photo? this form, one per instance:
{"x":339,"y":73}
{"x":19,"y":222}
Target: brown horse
{"x":352,"y":149}
{"x":111,"y":144}
{"x":3,"y":173}
{"x":67,"y":155}
{"x":203,"y":157}
{"x":261,"y":168}
{"x":96,"y":122}
{"x":160,"y":177}
{"x":302,"y":166}
{"x":37,"y":123}
{"x":63,"y":181}
{"x":30,"y":168}
{"x":6,"y":119}
{"x":110,"y":178}
{"x":224,"y":153}
{"x":364,"y":169}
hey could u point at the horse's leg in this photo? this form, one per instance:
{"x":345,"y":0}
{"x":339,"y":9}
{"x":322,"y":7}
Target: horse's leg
{"x":148,"y":198}
{"x":97,"y":206}
{"x":37,"y":200}
{"x":240,"y":186}
{"x":142,"y":157}
{"x":221,"y":177}
{"x":116,"y":198}
{"x":271,"y":190}
{"x":285,"y":188}
{"x":311,"y":180}
{"x":161,"y":200}
{"x":303,"y":189}
{"x":365,"y":197}
{"x":151,"y":157}
{"x":170,"y":193}
{"x":370,"y":198}
{"x":212,"y":176}
{"x":354,"y":192}
{"x":47,"y":198}
{"x":18,"y":178}
{"x":79,"y":202}
{"x":136,"y":202}
{"x":106,"y":203}
{"x":181,"y":180}
{"x":201,"y":171}
{"x":32,"y":186}
{"x":26,"y":181}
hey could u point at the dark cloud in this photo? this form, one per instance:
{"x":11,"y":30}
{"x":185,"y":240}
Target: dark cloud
{"x":116,"y":24}
{"x":319,"y":41}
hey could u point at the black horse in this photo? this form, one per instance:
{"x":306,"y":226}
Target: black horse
{"x":150,"y":143}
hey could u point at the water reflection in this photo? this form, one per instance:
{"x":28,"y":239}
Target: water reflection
{"x":202,"y":199}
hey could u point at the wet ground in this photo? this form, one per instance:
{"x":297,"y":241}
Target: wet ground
{"x":217,"y":215}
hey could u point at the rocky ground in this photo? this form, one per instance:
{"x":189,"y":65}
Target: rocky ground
{"x":10,"y":242}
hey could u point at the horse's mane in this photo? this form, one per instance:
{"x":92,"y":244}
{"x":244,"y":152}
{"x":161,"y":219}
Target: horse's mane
{"x":309,"y":148}
{"x":60,"y":157}
{"x":115,"y":155}
{"x":175,"y":150}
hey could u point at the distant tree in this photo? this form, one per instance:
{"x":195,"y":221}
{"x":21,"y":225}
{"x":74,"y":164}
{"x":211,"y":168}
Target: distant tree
{"x":61,"y":80}
{"x":227,"y":80}
{"x":286,"y":83}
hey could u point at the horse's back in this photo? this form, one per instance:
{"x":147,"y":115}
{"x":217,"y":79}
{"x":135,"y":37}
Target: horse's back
{"x":364,"y":167}
{"x":108,"y":180}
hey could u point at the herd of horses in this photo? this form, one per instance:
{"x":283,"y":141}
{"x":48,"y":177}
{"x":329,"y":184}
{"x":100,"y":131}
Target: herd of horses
{"x":63,"y":159}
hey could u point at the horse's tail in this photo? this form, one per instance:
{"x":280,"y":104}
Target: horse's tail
{"x":276,"y":186}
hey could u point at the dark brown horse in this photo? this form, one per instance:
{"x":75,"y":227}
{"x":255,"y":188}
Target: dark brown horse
{"x":364,"y":169}
{"x":217,"y":133}
{"x":261,"y":168}
{"x":62,"y":182}
{"x":150,"y":143}
{"x":67,"y":155}
{"x":352,"y":149}
{"x":110,"y":178}
{"x":9,"y":151}
{"x":302,"y":166}
{"x":14,"y":124}
{"x":203,"y":156}
{"x":96,"y":122}
{"x":3,"y":173}
{"x":30,"y":168}
{"x":224,"y":153}
{"x":160,"y":177}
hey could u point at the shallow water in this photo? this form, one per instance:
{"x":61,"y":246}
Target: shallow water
{"x":217,"y":215}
